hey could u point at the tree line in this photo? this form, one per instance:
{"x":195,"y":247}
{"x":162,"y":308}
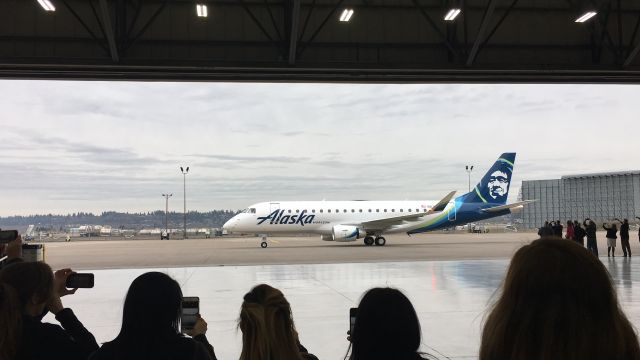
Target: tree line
{"x":123,"y":220}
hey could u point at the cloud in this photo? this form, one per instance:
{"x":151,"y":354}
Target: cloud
{"x":107,"y":145}
{"x":252,"y":159}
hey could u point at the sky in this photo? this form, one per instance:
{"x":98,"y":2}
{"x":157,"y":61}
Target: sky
{"x":68,"y":146}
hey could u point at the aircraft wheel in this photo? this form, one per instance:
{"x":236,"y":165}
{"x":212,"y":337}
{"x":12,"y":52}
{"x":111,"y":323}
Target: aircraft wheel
{"x":263,"y":244}
{"x":380,"y":241}
{"x":368,"y":240}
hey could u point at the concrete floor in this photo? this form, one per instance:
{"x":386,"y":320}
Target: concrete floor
{"x":450,"y":279}
{"x":451,"y":298}
{"x":106,"y":254}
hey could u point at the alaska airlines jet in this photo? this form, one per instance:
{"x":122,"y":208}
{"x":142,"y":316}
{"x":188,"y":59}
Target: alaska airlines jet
{"x":369,"y":220}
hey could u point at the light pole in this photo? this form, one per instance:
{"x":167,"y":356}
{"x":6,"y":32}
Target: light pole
{"x":184,"y":188}
{"x":166,"y":212}
{"x":469,"y":169}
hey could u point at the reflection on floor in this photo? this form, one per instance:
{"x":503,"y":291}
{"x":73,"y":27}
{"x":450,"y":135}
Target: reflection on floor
{"x":450,"y":297}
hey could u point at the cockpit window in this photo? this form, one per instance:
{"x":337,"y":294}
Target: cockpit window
{"x":252,"y":210}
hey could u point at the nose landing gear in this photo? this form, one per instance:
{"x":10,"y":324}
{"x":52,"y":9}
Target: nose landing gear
{"x":263,"y":243}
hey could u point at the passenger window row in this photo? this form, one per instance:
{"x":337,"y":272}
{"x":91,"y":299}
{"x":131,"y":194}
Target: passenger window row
{"x":313,"y":211}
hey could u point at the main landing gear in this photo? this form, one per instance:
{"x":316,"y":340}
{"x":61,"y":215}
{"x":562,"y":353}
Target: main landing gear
{"x":379,"y":240}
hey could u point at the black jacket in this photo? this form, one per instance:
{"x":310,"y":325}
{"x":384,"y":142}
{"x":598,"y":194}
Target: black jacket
{"x":179,"y":347}
{"x":590,"y":229}
{"x":557,"y":230}
{"x":611,"y":232}
{"x":545,"y":231}
{"x":579,"y":233}
{"x":624,"y":231}
{"x":48,"y":341}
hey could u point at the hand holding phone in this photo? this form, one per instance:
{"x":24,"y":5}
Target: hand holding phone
{"x":190,"y":313}
{"x":353,"y":312}
{"x":7,"y":236}
{"x":79,"y":280}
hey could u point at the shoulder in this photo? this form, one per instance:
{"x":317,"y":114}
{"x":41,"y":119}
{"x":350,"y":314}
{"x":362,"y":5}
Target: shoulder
{"x":185,"y":345}
{"x":107,"y":351}
{"x":307,"y":356}
{"x":36,"y":328}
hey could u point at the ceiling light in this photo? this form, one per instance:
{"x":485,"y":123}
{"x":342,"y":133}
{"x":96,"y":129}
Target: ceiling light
{"x":202,"y":10}
{"x":346,"y":15}
{"x":452,"y":14}
{"x":47,"y":5}
{"x":586,"y":17}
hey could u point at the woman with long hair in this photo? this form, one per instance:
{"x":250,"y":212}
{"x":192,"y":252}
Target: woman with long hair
{"x":386,"y":327}
{"x":28,"y":290}
{"x":557,"y":302}
{"x":151,"y":323}
{"x":268,"y":331}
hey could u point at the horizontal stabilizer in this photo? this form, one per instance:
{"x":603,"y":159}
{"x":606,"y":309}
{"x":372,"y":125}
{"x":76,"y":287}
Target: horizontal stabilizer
{"x":507,"y":206}
{"x":443,"y":203}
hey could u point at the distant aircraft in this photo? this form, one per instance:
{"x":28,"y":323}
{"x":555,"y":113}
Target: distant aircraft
{"x":369,"y":220}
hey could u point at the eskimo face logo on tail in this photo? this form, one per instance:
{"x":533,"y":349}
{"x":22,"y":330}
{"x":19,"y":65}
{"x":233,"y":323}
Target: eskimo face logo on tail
{"x":498,"y":185}
{"x":278,"y":218}
{"x":494,"y":186}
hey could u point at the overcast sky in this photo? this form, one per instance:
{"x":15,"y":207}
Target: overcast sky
{"x":96,"y":146}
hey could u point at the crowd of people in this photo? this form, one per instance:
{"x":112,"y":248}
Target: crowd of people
{"x":574,"y":231}
{"x":557,"y":301}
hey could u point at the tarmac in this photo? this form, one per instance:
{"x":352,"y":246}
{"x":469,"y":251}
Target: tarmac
{"x":225,"y":251}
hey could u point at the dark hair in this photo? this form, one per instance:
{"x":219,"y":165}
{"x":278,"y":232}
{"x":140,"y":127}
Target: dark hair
{"x":386,"y":327}
{"x":10,"y":322}
{"x":268,"y":331}
{"x":151,"y":316}
{"x":20,"y":283}
{"x":557,"y":302}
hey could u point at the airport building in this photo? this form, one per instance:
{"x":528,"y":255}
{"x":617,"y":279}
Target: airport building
{"x":601,"y":197}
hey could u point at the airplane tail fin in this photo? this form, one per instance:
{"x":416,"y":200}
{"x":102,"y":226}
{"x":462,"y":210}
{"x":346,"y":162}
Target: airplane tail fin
{"x":494,"y":186}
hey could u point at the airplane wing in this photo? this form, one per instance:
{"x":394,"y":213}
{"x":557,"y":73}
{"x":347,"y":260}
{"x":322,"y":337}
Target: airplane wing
{"x":381,"y":224}
{"x":507,"y":206}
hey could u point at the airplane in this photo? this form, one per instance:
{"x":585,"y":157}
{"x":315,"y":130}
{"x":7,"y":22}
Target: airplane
{"x":368,"y":220}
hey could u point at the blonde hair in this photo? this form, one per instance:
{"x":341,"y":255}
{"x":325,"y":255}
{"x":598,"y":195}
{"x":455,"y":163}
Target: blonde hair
{"x":268,"y":331}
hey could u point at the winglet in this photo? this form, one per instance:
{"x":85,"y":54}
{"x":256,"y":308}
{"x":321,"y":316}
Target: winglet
{"x":443,"y":203}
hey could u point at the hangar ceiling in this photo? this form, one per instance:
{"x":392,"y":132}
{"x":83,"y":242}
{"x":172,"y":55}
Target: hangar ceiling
{"x":304,"y":40}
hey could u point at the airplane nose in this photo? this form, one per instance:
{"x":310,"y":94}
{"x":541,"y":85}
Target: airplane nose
{"x":229,"y":225}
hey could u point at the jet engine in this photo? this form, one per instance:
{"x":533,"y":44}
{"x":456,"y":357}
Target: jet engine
{"x":347,"y":233}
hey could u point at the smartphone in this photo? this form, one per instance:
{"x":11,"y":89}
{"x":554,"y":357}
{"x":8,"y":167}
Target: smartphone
{"x":7,"y":236}
{"x":352,"y":319}
{"x":190,"y":311}
{"x":75,"y":281}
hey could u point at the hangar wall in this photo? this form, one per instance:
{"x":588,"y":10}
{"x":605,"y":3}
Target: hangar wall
{"x":601,"y":197}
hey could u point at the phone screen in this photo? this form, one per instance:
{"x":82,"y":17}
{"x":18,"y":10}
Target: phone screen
{"x":79,"y":281}
{"x":190,"y":311}
{"x":7,"y":236}
{"x":352,"y":319}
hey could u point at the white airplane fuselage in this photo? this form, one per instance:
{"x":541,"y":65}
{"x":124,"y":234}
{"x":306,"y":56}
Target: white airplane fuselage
{"x":320,"y":217}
